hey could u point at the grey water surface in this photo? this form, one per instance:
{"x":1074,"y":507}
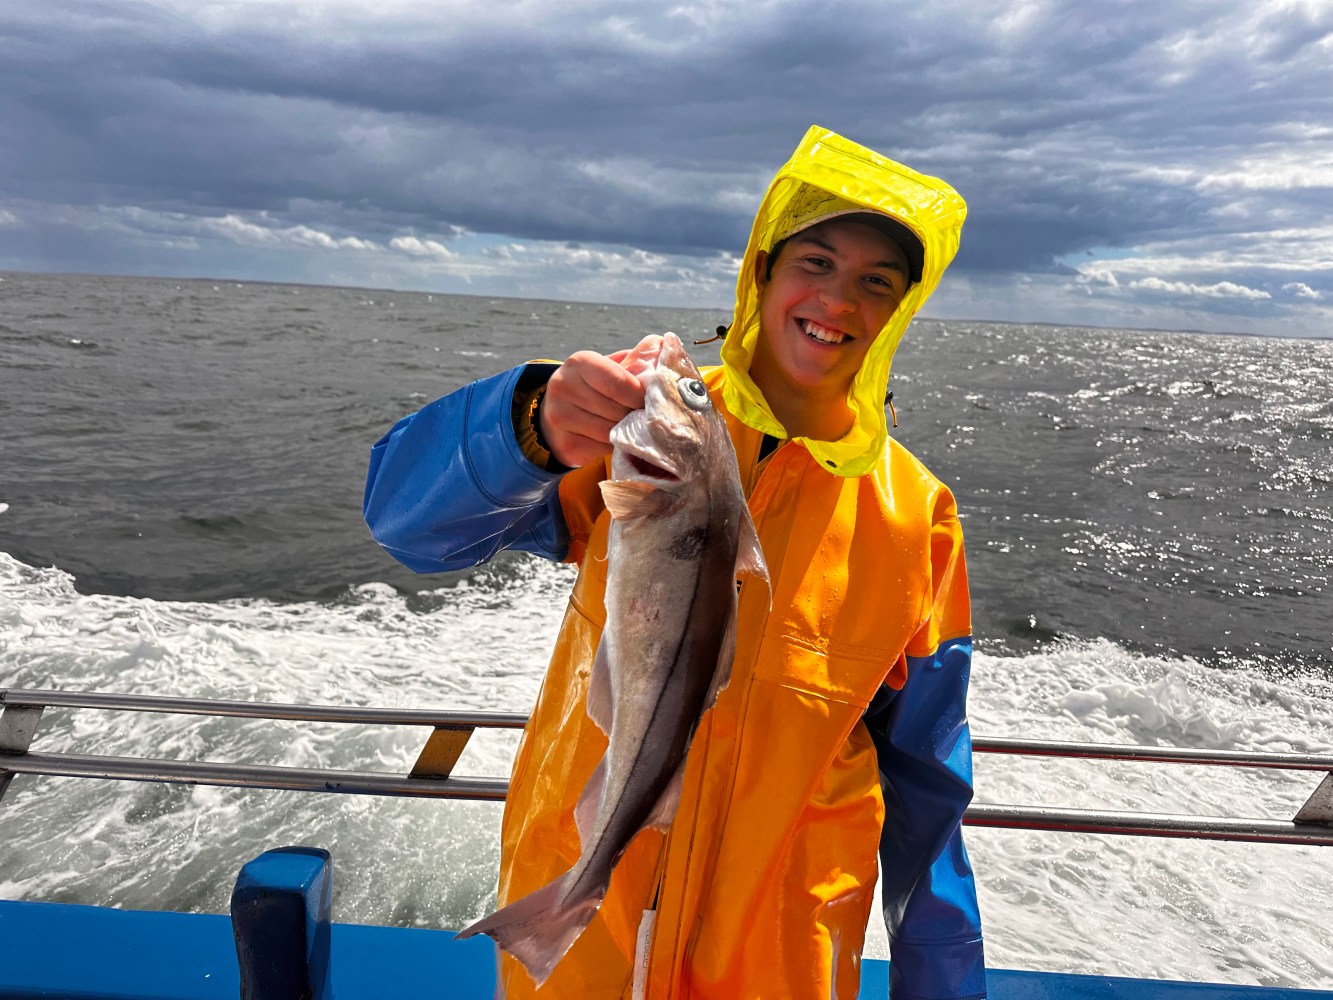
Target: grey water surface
{"x":202,"y":439}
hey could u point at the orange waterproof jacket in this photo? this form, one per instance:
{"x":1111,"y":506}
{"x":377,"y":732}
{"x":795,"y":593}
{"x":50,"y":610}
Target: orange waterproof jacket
{"x":842,"y":732}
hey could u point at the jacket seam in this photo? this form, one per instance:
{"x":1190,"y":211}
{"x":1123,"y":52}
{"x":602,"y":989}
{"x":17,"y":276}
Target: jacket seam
{"x":814,"y":692}
{"x":852,"y":651}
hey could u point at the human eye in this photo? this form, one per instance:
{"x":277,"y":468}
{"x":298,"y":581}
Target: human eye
{"x":881,"y":284}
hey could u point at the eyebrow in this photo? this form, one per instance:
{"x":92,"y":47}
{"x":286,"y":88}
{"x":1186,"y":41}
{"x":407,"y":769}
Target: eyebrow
{"x":888,"y":265}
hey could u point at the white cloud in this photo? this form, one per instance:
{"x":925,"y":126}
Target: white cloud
{"x":1271,"y":258}
{"x":180,"y":230}
{"x":236,"y":229}
{"x":315,"y":238}
{"x":570,"y":260}
{"x":1285,"y":170}
{"x":1098,"y":274}
{"x":1303,"y":291}
{"x":1019,"y":19}
{"x":1271,"y":174}
{"x":419,"y":247}
{"x":1221,"y":290}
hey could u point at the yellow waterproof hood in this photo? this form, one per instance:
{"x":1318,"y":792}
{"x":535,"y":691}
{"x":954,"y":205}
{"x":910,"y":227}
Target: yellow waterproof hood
{"x":858,"y":179}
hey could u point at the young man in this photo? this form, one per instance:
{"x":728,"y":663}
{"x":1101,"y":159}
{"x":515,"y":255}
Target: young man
{"x":843,"y":730}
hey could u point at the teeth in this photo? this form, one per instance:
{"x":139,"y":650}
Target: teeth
{"x":822,"y":335}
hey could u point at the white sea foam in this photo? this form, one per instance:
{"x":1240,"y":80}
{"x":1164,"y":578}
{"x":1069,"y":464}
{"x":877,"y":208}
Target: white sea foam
{"x":1174,"y":909}
{"x":1122,"y":906}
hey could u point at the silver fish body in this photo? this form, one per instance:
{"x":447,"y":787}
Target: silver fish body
{"x":680,"y":535}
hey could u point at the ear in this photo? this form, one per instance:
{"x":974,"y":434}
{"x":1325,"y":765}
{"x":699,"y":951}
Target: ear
{"x":761,"y":269}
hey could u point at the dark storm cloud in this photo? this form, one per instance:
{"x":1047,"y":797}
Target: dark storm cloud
{"x":1069,"y":128}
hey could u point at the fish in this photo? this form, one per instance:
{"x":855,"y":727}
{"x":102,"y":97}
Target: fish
{"x":680,"y":535}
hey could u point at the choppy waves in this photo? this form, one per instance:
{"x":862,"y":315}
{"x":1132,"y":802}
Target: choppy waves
{"x":1122,"y":906}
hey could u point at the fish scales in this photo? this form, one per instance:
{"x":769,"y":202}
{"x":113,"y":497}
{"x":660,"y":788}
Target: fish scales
{"x":680,"y":534}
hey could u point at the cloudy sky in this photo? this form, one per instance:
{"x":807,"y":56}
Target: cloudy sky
{"x":1148,"y":163}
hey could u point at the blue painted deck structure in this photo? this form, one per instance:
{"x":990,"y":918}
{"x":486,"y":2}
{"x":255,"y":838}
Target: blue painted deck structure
{"x":279,"y":942}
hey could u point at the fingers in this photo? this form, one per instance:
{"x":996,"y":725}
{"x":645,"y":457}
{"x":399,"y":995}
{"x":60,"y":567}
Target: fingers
{"x":643,"y":356}
{"x":575,"y":450}
{"x":605,"y":386}
{"x":587,"y":396}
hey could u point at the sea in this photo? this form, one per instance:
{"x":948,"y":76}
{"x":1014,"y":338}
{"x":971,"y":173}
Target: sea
{"x":1149,"y":523}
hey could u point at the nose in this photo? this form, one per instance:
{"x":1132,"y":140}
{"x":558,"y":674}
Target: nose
{"x":840,"y":294}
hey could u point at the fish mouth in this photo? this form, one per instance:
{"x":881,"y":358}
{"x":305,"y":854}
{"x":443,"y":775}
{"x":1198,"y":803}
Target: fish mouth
{"x":646,"y":468}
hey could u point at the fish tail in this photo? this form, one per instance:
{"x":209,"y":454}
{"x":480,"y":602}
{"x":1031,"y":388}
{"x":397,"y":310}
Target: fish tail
{"x":539,"y":928}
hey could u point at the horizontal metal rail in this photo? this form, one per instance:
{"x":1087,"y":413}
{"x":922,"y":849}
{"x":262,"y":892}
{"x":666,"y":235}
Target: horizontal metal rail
{"x":292,"y":779}
{"x":494,"y":790}
{"x":1261,"y":831}
{"x":261,"y":710}
{"x":431,"y":777}
{"x":1154,"y":755}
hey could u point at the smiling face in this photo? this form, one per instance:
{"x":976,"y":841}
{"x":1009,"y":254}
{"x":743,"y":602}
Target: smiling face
{"x":832,"y":289}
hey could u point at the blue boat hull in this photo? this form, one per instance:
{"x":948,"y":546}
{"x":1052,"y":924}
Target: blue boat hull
{"x":94,"y":953}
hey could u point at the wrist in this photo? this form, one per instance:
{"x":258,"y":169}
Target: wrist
{"x":527,"y":429}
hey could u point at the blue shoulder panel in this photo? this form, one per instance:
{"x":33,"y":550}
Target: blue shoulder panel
{"x":449,"y":487}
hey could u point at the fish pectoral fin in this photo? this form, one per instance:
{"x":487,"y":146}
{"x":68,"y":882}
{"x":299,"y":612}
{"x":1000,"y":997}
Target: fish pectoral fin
{"x":585,"y":812}
{"x":628,"y":499}
{"x":665,"y":810}
{"x":725,"y":656}
{"x":599,"y":703}
{"x":749,"y":553}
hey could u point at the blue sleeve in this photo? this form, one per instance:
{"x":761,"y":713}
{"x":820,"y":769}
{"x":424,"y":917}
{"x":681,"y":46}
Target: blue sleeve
{"x":449,"y":486}
{"x":925,"y":763}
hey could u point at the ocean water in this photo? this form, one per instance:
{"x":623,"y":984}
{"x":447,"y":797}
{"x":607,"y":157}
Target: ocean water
{"x":1150,"y":543}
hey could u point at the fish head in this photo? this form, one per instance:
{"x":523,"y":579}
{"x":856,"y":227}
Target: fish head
{"x":679,"y":436}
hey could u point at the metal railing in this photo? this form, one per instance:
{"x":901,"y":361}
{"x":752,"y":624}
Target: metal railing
{"x":1312,"y":824}
{"x":432,"y":774}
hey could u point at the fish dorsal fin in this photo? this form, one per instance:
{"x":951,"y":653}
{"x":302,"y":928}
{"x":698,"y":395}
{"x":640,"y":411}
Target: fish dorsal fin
{"x":599,"y":690}
{"x":667,"y":804}
{"x":585,"y":813}
{"x":628,"y":499}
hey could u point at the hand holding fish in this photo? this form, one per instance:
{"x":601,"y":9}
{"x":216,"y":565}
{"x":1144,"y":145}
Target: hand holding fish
{"x":587,"y":396}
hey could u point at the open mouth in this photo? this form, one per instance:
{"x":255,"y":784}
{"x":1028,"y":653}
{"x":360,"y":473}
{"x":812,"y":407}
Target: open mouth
{"x":823,"y":335}
{"x":646,"y":468}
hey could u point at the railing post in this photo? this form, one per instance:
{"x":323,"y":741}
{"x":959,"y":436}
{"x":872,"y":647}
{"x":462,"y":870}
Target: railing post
{"x":1318,"y":807}
{"x":18,"y":725}
{"x":280,"y":916}
{"x":441,"y":752}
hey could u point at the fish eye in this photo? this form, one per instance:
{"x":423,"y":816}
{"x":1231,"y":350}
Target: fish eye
{"x":692,"y":392}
